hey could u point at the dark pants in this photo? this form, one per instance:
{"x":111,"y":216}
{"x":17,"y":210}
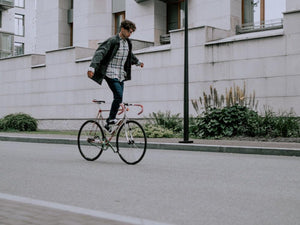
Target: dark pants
{"x":117,"y":88}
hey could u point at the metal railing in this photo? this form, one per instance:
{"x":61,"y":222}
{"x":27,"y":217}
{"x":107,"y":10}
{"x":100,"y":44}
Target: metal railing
{"x":7,"y":4}
{"x":6,"y":44}
{"x":260,"y":26}
{"x":165,"y":39}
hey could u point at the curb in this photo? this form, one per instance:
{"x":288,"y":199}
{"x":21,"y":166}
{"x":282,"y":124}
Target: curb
{"x":172,"y":146}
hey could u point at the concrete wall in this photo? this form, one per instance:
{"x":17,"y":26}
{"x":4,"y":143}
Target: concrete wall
{"x":93,"y":22}
{"x":7,"y":21}
{"x":47,"y":27}
{"x":47,"y":17}
{"x":54,"y":85}
{"x":292,"y":5}
{"x":215,"y":13}
{"x":29,"y":38}
{"x":64,"y":30}
{"x":150,"y":16}
{"x":52,"y":29}
{"x":267,"y":61}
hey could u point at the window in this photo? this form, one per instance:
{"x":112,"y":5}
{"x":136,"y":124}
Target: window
{"x":119,"y":17}
{"x":19,"y":25}
{"x":261,"y":15}
{"x":19,"y":48}
{"x":175,"y":15}
{"x":262,"y":11}
{"x":70,"y":22}
{"x":6,"y":44}
{"x":20,"y":3}
{"x":0,"y":18}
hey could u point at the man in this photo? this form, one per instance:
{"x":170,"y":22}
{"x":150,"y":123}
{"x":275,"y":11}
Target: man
{"x":112,"y":61}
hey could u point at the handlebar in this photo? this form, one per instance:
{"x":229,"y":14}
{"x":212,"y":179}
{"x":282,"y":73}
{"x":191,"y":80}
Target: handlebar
{"x":141,"y":106}
{"x":124,"y":107}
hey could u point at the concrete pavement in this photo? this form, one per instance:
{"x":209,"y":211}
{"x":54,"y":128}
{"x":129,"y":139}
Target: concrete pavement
{"x":17,"y":210}
{"x":209,"y":196}
{"x":226,"y":146}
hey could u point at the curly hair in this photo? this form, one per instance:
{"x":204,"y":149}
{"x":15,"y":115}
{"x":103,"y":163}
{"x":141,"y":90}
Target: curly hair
{"x":127,"y":24}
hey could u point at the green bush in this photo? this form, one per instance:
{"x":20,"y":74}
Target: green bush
{"x":19,"y":122}
{"x":157,"y":131}
{"x":168,"y":121}
{"x":241,"y":121}
{"x":283,"y":125}
{"x":238,"y":118}
{"x":228,"y":121}
{"x":1,"y":124}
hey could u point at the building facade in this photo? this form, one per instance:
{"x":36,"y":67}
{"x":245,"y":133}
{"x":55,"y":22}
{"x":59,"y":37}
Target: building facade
{"x":230,"y":42}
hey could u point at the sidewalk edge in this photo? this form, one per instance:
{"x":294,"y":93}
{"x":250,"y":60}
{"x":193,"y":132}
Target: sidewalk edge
{"x":174,"y":146}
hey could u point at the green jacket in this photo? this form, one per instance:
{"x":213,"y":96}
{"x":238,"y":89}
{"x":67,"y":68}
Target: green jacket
{"x":105,"y":53}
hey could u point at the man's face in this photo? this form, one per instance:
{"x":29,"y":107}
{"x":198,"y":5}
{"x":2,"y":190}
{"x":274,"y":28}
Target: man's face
{"x":126,"y":33}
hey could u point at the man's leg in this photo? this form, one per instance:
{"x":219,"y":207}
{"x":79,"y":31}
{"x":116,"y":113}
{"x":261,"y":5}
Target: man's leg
{"x":117,"y":88}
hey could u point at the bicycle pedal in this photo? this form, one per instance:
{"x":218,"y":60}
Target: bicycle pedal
{"x":107,"y":128}
{"x":97,"y":141}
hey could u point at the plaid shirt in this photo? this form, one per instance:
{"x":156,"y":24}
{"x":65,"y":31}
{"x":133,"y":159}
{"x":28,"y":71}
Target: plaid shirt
{"x":115,"y":67}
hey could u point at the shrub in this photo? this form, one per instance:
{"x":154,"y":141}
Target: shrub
{"x":282,"y":125}
{"x":1,"y":124}
{"x":168,"y":121}
{"x":157,"y":131}
{"x":234,"y":96}
{"x":233,"y":114}
{"x":241,"y":121}
{"x":228,"y":121}
{"x":19,"y":122}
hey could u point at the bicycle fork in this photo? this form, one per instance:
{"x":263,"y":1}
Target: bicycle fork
{"x":127,"y":133}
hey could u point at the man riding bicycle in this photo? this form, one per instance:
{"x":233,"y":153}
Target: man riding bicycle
{"x":112,"y":61}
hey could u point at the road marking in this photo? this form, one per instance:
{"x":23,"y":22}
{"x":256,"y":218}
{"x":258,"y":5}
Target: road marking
{"x":83,"y":211}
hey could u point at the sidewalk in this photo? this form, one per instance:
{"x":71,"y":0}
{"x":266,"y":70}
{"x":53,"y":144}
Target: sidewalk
{"x":25,"y":211}
{"x":226,"y":146}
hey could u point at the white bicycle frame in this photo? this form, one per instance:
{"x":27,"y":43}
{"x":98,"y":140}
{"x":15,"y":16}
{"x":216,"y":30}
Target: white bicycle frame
{"x":100,"y":120}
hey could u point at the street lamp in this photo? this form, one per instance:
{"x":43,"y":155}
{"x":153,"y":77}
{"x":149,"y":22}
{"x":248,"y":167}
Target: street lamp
{"x":186,"y":72}
{"x":186,"y":78}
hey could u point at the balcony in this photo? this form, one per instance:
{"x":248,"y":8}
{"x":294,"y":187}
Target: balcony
{"x":6,"y":4}
{"x":6,"y":44}
{"x":165,"y":39}
{"x":260,"y":26}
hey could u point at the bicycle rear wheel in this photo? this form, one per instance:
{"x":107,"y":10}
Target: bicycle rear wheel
{"x":90,"y":140}
{"x":131,"y":142}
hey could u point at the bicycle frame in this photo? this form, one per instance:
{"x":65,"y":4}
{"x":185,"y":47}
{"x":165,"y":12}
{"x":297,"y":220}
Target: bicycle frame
{"x":131,"y":141}
{"x":99,"y":118}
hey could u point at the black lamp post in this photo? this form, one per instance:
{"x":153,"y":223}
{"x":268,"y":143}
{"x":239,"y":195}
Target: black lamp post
{"x":186,"y":78}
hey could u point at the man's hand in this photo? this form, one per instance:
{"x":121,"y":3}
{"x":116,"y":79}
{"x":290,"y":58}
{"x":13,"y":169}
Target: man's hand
{"x":90,"y":74}
{"x":142,"y":65}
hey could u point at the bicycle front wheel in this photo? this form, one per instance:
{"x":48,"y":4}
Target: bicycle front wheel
{"x":131,"y":142}
{"x":90,"y":140}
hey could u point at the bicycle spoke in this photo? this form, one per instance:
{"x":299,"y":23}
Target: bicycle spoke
{"x":90,"y":140}
{"x":131,"y":142}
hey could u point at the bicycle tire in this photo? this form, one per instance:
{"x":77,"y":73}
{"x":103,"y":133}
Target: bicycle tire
{"x":131,"y":142}
{"x":89,"y":140}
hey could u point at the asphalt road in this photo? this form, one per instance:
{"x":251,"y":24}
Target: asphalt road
{"x":174,"y":187}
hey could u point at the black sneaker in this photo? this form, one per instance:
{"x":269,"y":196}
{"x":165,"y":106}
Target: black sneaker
{"x":114,"y":121}
{"x":107,"y":127}
{"x":110,"y":122}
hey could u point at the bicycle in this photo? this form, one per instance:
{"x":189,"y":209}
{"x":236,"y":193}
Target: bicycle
{"x":131,"y":140}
